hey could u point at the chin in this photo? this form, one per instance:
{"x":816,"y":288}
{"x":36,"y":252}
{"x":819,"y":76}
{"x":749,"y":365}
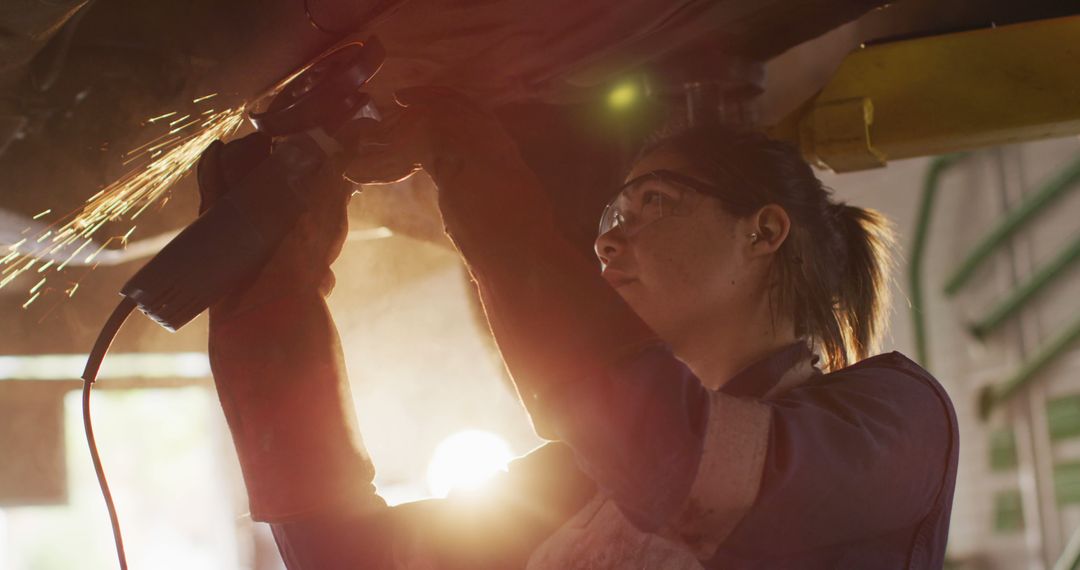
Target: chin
{"x":652,"y":317}
{"x":658,"y":317}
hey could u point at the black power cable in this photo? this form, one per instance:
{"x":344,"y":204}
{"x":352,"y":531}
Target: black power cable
{"x":89,"y":376}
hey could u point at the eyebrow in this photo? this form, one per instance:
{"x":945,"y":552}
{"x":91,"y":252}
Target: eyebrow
{"x":702,"y":187}
{"x":668,"y":176}
{"x":640,"y":183}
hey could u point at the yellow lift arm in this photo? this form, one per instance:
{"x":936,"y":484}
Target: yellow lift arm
{"x":941,"y":94}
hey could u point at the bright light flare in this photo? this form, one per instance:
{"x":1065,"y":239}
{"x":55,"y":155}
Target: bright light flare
{"x":624,"y":95}
{"x":466,"y":460}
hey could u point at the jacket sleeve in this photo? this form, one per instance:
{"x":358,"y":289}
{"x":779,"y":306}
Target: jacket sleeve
{"x":280,"y":377}
{"x":676,"y":458}
{"x":497,"y":529}
{"x":590,"y":372}
{"x":638,"y":431}
{"x":856,"y":455}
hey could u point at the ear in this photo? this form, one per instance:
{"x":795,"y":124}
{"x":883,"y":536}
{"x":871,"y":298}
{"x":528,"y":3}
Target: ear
{"x":771,"y":224}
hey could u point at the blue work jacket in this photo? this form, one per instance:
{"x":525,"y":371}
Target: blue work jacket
{"x":858,"y":471}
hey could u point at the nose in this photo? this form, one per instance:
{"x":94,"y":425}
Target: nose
{"x":609,"y":244}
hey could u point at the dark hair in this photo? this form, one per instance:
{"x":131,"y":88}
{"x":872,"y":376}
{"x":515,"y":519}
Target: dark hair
{"x":831,"y":275}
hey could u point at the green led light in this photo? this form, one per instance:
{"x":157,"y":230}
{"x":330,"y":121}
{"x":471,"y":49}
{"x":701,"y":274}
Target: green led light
{"x":623,"y":95}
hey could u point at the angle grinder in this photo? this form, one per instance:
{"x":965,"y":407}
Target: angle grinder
{"x":231,"y":241}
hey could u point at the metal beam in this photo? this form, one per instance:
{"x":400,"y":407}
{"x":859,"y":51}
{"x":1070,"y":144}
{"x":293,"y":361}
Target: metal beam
{"x":944,"y":94}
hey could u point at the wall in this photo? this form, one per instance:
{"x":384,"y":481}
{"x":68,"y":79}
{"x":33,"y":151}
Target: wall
{"x":973,"y":197}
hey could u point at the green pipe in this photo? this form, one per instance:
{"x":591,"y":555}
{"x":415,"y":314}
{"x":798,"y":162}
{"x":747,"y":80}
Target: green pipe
{"x":1070,"y":556}
{"x":991,"y":396}
{"x":922,"y":229}
{"x":1013,"y":220}
{"x":1025,"y":292}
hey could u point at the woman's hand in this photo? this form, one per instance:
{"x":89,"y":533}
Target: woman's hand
{"x":436,"y":129}
{"x":302,"y":260}
{"x":487,"y":194}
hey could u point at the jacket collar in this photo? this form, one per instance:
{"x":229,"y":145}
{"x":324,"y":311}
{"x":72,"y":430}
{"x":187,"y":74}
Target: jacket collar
{"x":774,"y":374}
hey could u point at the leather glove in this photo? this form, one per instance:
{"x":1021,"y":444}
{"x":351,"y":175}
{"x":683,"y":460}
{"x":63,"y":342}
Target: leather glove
{"x":556,"y":321}
{"x":302,"y":261}
{"x":276,"y":357}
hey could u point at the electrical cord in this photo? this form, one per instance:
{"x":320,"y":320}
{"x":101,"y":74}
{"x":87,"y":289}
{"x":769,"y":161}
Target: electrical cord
{"x":89,"y":376}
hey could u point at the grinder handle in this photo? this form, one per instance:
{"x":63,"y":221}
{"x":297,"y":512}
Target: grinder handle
{"x":230,"y":242}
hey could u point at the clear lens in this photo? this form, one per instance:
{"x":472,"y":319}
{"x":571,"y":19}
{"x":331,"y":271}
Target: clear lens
{"x":645,"y":200}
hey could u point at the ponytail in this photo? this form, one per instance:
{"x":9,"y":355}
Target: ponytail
{"x":862,"y":298}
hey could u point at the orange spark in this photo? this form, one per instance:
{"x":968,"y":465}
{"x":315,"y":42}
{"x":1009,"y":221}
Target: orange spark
{"x":124,"y":199}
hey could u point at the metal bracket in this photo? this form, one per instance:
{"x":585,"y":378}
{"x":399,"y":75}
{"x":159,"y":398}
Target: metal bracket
{"x":837,"y":134}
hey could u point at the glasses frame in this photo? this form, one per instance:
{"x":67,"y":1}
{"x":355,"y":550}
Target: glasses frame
{"x":663,"y":175}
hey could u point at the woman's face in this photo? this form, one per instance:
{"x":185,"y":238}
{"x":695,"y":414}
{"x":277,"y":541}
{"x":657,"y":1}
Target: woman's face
{"x":681,"y":272}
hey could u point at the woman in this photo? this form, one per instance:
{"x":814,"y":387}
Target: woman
{"x":691,"y":427}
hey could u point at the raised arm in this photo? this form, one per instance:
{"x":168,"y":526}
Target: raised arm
{"x":589,"y":370}
{"x":276,"y":357}
{"x":280,"y":376}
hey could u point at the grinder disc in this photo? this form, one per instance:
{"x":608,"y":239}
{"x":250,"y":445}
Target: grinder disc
{"x":322,"y":94}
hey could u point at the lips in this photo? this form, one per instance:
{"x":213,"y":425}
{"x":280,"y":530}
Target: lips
{"x":617,"y":278}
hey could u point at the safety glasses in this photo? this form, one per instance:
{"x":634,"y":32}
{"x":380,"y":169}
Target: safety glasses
{"x":652,"y":196}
